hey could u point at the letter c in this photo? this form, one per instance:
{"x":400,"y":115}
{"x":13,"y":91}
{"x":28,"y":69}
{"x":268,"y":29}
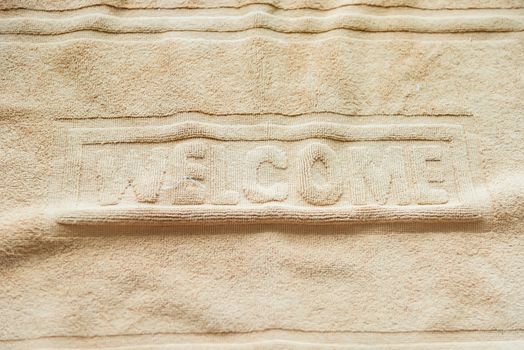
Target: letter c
{"x":253,"y":190}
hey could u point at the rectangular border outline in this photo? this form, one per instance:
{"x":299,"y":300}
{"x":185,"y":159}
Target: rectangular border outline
{"x":472,"y":207}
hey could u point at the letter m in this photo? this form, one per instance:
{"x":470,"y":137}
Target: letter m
{"x":378,"y":175}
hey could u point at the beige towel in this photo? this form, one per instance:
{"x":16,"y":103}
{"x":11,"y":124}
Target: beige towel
{"x":270,"y":174}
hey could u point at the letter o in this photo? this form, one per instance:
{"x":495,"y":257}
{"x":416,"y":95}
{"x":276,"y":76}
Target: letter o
{"x":319,"y":193}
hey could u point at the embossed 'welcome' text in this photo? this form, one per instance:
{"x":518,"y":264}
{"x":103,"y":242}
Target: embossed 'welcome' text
{"x":200,"y":172}
{"x":321,"y":172}
{"x":322,"y":164}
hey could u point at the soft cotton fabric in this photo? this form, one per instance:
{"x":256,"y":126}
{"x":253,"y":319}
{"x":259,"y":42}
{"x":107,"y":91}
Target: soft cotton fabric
{"x":262,"y":175}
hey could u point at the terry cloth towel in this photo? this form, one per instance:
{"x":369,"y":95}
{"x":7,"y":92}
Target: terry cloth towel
{"x":262,"y":174}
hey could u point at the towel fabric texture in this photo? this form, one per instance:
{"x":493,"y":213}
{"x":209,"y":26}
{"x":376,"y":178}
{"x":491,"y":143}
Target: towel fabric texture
{"x":270,"y":174}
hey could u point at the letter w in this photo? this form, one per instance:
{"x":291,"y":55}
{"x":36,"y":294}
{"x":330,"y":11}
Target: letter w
{"x":142,"y":171}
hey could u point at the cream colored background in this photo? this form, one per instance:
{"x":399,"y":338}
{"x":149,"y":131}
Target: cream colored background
{"x":84,"y":282}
